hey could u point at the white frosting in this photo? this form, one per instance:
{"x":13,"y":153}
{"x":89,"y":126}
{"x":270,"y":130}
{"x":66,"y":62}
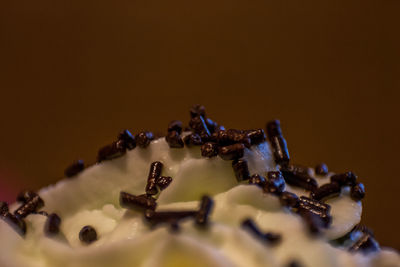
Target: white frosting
{"x":124,"y":239}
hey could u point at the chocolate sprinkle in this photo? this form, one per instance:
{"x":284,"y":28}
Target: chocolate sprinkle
{"x":87,"y":234}
{"x":16,"y":223}
{"x":209,"y":150}
{"x":175,"y":126}
{"x":128,"y":139}
{"x":137,"y":203}
{"x":274,"y":183}
{"x":299,"y":179}
{"x":143,"y":139}
{"x":163,"y":182}
{"x":3,"y":208}
{"x":269,"y":238}
{"x":256,"y":136}
{"x":25,"y":196}
{"x":199,"y":126}
{"x":324,"y":218}
{"x":326,"y":191}
{"x":241,"y":169}
{"x":289,"y":199}
{"x":315,"y":204}
{"x":52,"y":226}
{"x":174,"y":140}
{"x":154,"y":174}
{"x":258,"y":180}
{"x":205,"y":209}
{"x":197,"y":110}
{"x":278,"y":143}
{"x":347,"y":178}
{"x":357,"y":192}
{"x":231,"y":152}
{"x":366,"y":244}
{"x":155,"y":218}
{"x":321,"y":169}
{"x":34,"y":204}
{"x":192,"y":140}
{"x":74,"y":168}
{"x":114,"y":150}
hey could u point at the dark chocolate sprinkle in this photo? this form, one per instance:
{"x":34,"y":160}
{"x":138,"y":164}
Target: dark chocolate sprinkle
{"x":154,"y":174}
{"x":231,"y":152}
{"x":52,"y":226}
{"x":321,"y":169}
{"x":357,"y":192}
{"x":326,"y":191}
{"x":199,"y":126}
{"x":137,"y":203}
{"x":294,"y":264}
{"x":315,"y":204}
{"x":269,"y":238}
{"x":143,"y":139}
{"x":313,"y":220}
{"x":192,"y":140}
{"x":258,"y":180}
{"x":365,"y":244}
{"x":274,"y":183}
{"x":3,"y":208}
{"x":299,"y":179}
{"x":114,"y":150}
{"x":87,"y":234}
{"x":16,"y":223}
{"x":280,"y":150}
{"x":34,"y":204}
{"x":347,"y":178}
{"x":128,"y":139}
{"x":197,"y":110}
{"x":289,"y":199}
{"x":74,"y":168}
{"x":298,"y":169}
{"x":274,"y":129}
{"x":163,"y":182}
{"x":212,"y":125}
{"x":325,"y":218}
{"x":364,"y":229}
{"x":256,"y":136}
{"x":205,"y":209}
{"x":155,"y":218}
{"x":209,"y":150}
{"x":175,"y":126}
{"x":174,"y":140}
{"x":238,"y":136}
{"x":25,"y":196}
{"x":241,"y":169}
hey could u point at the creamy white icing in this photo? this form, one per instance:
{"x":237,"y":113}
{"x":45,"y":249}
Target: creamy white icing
{"x":92,"y":198}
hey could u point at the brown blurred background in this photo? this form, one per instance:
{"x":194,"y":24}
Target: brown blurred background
{"x":74,"y":73}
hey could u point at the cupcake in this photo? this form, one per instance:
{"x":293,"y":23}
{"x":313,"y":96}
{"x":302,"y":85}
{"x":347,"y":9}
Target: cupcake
{"x":201,"y":195}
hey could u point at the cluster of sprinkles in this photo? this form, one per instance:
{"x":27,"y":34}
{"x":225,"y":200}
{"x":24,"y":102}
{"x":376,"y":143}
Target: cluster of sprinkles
{"x":213,"y":140}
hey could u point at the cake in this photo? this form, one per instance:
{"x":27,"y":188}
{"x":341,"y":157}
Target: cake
{"x":199,"y":196}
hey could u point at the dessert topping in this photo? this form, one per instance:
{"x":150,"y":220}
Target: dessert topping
{"x":87,"y":234}
{"x":278,"y":143}
{"x":163,"y":182}
{"x":154,"y":174}
{"x":206,"y":206}
{"x":138,"y":203}
{"x":231,"y":152}
{"x":326,"y":191}
{"x":209,"y":150}
{"x":357,"y":191}
{"x":128,"y":139}
{"x":321,"y":169}
{"x":32,"y":205}
{"x":289,"y":199}
{"x":274,"y":183}
{"x":298,"y":178}
{"x":175,"y":125}
{"x":269,"y":238}
{"x":174,"y":140}
{"x":143,"y":139}
{"x":241,"y":169}
{"x":114,"y":150}
{"x":347,"y":178}
{"x":75,"y":168}
{"x":52,"y":226}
